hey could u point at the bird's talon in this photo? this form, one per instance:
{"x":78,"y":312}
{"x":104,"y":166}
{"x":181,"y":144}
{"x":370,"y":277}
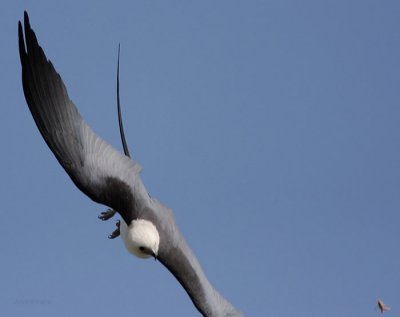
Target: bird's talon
{"x":114,"y":234}
{"x":105,"y":215}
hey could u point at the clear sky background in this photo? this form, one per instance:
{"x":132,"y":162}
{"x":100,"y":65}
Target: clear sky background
{"x":271,"y":128}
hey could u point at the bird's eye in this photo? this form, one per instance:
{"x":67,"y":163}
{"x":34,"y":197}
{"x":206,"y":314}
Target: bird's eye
{"x":141,"y":249}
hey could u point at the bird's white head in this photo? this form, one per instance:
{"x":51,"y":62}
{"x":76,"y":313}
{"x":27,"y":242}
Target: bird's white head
{"x":141,"y":238}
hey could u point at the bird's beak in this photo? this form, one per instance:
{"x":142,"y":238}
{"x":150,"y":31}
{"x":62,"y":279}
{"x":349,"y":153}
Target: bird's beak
{"x":154,"y":255}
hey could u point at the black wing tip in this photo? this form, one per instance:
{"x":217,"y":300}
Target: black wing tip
{"x":21,"y":39}
{"x":30,"y":36}
{"x":29,"y":42}
{"x":27,"y":24}
{"x":26,"y":17}
{"x":24,"y":30}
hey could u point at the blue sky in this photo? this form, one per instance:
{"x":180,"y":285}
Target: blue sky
{"x":271,"y":128}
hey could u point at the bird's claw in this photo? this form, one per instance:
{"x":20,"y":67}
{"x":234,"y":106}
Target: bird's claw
{"x":105,"y":215}
{"x":116,"y":232}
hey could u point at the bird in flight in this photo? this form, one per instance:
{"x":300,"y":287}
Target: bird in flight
{"x":382,"y":307}
{"x":108,"y":177}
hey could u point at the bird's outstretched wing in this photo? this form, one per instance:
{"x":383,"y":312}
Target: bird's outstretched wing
{"x":97,"y":169}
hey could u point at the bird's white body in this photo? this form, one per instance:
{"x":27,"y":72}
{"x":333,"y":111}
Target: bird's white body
{"x":140,"y":238}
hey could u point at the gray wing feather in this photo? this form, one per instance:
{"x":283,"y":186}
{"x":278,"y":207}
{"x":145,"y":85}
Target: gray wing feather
{"x":96,"y":168}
